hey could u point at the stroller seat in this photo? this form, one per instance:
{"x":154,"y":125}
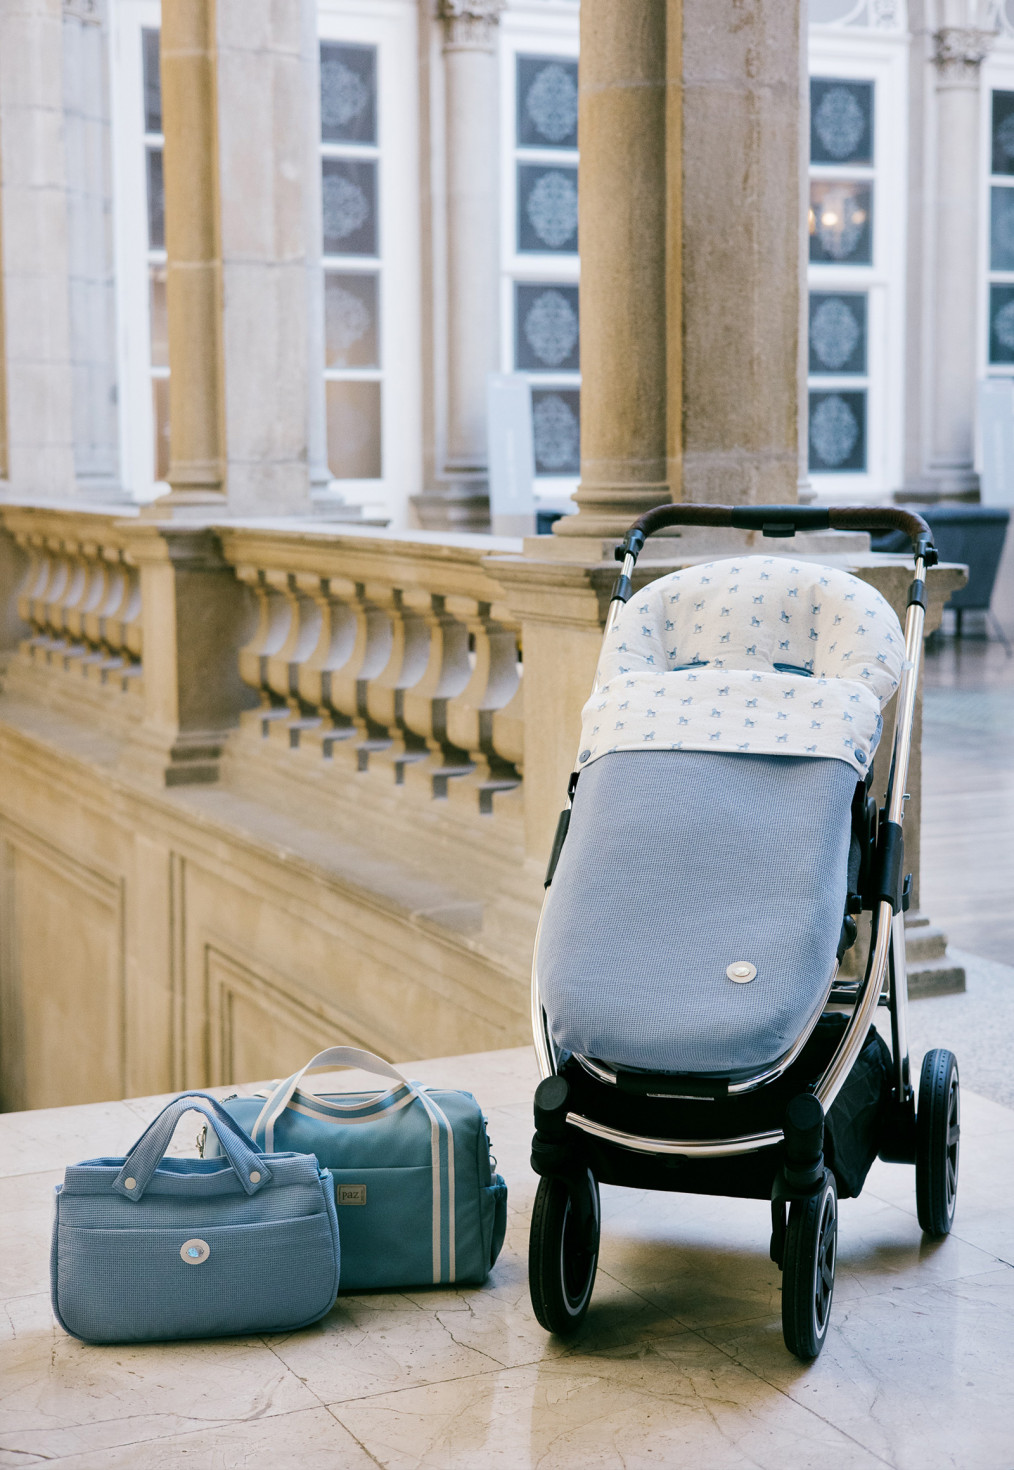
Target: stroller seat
{"x":737,"y":705}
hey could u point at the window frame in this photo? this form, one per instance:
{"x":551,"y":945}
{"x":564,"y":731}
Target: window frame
{"x":391,"y":27}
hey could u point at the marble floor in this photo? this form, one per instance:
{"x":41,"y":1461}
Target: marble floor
{"x":680,"y":1360}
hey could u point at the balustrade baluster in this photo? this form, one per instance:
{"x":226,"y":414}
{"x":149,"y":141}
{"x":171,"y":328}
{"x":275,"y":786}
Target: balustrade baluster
{"x":281,"y":667}
{"x":407,"y":658}
{"x":446,"y":674}
{"x":485,"y":718}
{"x":336,"y":642}
{"x":274,"y":618}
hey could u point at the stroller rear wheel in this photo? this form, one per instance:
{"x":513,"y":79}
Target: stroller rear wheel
{"x":811,"y":1247}
{"x":937,"y":1139}
{"x":563,"y":1250}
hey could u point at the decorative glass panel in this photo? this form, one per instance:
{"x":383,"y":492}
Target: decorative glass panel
{"x":159,"y":316}
{"x":837,"y":332}
{"x":353,"y":430}
{"x":547,"y":209}
{"x":156,"y":201}
{"x":1003,"y":132}
{"x":1001,"y":323}
{"x":348,"y":93}
{"x":837,"y":432}
{"x":1001,"y":229}
{"x":841,"y":121}
{"x":152,"y":82}
{"x":547,"y":102}
{"x":840,"y":222}
{"x":350,"y":206}
{"x":546,"y":330}
{"x":160,"y":421}
{"x":556,"y":431}
{"x":352,"y":328}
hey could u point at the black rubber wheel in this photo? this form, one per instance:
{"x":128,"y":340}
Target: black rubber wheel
{"x":811,"y":1248}
{"x":937,"y":1142}
{"x":563,"y":1250}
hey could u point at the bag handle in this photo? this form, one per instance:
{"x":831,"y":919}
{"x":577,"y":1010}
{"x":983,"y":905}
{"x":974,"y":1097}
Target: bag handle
{"x":148,"y":1152}
{"x":331,"y":1056}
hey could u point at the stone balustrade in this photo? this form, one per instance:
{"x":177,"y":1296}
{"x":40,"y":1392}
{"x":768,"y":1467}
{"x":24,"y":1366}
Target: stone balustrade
{"x":393,"y":656}
{"x":79,"y":599}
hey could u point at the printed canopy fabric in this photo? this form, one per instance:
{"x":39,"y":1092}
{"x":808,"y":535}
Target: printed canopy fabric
{"x":758,"y":655}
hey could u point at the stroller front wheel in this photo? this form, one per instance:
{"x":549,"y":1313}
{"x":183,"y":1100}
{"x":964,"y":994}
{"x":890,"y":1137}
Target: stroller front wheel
{"x":811,"y":1248}
{"x":937,"y":1141}
{"x":563,"y":1250}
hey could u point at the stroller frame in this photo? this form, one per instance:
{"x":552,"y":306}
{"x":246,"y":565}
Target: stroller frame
{"x":572,"y":1149}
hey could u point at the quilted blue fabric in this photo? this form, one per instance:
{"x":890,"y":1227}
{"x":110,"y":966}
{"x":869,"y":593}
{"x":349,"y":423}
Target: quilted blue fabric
{"x":678,"y":864}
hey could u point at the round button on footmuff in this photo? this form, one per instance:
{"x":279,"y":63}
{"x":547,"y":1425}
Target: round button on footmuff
{"x":741,"y":971}
{"x":195,"y":1252}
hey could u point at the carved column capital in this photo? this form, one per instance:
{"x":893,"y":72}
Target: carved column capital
{"x":470,"y":24}
{"x":959,"y":51}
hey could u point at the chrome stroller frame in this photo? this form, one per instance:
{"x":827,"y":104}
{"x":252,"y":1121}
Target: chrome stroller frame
{"x":564,"y":1245}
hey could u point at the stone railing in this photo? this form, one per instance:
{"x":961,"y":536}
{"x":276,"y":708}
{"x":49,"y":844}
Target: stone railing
{"x":79,"y":599}
{"x":395,"y":657}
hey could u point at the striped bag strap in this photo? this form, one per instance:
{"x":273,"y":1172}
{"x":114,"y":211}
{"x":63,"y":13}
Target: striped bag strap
{"x":441,"y":1138}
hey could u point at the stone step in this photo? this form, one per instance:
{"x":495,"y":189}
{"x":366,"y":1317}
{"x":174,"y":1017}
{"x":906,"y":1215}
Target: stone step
{"x":940,"y":976}
{"x":924,"y":942}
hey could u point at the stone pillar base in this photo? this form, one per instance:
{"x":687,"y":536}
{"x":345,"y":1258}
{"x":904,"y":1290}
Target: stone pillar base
{"x":462,"y":507}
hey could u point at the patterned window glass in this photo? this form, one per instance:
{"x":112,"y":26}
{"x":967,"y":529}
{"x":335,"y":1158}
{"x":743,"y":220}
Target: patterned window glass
{"x":840,"y":223}
{"x":1003,"y":133}
{"x":556,"y":431}
{"x":353,"y":264}
{"x":837,"y":332}
{"x":158,"y":316}
{"x":546,"y":328}
{"x":546,"y":102}
{"x":1001,"y":324}
{"x":841,"y":121}
{"x":348,"y":93}
{"x":547,"y":208}
{"x":837,"y":432}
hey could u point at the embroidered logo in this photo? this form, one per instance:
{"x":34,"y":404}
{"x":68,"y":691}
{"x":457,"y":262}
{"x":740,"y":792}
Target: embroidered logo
{"x":351,"y":1194}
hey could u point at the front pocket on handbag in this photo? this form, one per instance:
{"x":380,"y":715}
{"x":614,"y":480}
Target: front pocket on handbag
{"x":387,"y":1227}
{"x":138,"y":1285}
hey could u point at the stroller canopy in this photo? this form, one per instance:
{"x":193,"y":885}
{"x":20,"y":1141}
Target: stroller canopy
{"x":760,"y":655}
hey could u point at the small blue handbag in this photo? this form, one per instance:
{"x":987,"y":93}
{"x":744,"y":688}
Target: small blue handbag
{"x":418,"y":1201}
{"x":149,"y":1248}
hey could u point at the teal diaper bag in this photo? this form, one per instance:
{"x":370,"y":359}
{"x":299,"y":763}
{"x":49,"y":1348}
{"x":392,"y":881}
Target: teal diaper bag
{"x":418,"y":1201}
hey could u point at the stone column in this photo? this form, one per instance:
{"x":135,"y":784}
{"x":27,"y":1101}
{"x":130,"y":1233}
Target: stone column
{"x":949,"y":468}
{"x":690,"y":200}
{"x":236,"y":86}
{"x":33,"y":226}
{"x":460,"y":500}
{"x":629,"y":231}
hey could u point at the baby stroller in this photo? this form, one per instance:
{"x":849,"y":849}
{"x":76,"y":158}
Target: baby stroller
{"x":721,"y":836}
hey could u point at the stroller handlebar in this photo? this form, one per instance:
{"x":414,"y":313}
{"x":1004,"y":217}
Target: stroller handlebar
{"x":783,"y":520}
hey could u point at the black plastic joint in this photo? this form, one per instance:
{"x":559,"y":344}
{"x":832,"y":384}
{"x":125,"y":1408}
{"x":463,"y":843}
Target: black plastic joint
{"x":924,"y":547}
{"x":917,"y":594}
{"x":890,"y":860}
{"x":631,"y":545}
{"x":622,"y":588}
{"x":906,"y":894}
{"x":561,"y":836}
{"x":552,"y":1099}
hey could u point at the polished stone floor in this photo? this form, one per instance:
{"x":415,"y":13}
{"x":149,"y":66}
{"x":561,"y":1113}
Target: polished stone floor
{"x":680,"y":1361}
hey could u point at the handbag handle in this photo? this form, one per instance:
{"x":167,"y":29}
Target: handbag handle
{"x":331,"y":1056}
{"x":148,"y":1152}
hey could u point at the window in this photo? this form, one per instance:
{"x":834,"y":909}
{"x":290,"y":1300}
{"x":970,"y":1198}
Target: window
{"x":1001,"y":231}
{"x":139,"y":237}
{"x":155,"y":193}
{"x":841,"y":236}
{"x":541,"y":311}
{"x":350,"y":164}
{"x":369,"y":163}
